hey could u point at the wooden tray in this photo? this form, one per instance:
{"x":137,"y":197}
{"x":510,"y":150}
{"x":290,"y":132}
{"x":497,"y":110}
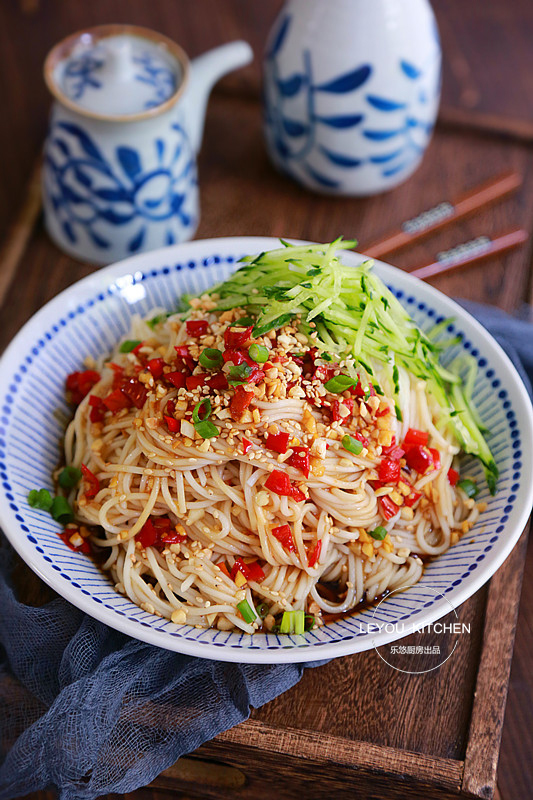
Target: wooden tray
{"x":354,"y":727}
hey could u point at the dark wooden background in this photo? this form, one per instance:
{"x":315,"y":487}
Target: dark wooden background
{"x":486,"y":126}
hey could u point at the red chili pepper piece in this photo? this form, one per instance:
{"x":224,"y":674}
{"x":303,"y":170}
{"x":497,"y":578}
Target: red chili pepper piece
{"x":118,"y":375}
{"x":98,"y":409}
{"x":79,"y":384}
{"x":136,"y":391}
{"x":240,"y":401}
{"x":283,"y":534}
{"x":223,"y":568}
{"x":239,"y":566}
{"x":436,"y":458}
{"x":92,"y":480}
{"x":235,"y":356}
{"x":388,"y":508}
{"x":196,"y":327}
{"x":415,"y":437}
{"x":419,"y":458}
{"x":156,"y":365}
{"x":300,"y":460}
{"x":324,"y":372}
{"x":158,"y":532}
{"x":297,"y":494}
{"x":453,"y":476}
{"x":255,"y":572}
{"x":358,"y":390}
{"x":218,"y":381}
{"x":389,"y":471}
{"x":335,"y":409}
{"x":279,"y":483}
{"x":182,"y":350}
{"x":360,"y":438}
{"x":314,"y":555}
{"x":256,"y":376}
{"x":116,"y":401}
{"x":172,"y":424}
{"x":411,"y":499}
{"x":383,"y":411}
{"x":246,"y":445}
{"x":137,"y":348}
{"x":394,"y":451}
{"x":236,"y":337}
{"x":277,"y":441}
{"x":84,"y":547}
{"x":251,"y":571}
{"x":194,"y":381}
{"x":177,"y":379}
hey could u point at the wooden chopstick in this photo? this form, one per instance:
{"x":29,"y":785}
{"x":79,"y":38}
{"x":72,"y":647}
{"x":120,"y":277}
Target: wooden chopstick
{"x":443,"y":214}
{"x":471,"y":252}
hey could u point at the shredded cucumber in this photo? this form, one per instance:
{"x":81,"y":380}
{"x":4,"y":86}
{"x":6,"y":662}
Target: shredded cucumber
{"x":352,"y":315}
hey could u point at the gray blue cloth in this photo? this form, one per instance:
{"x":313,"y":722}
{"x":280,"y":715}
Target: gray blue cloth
{"x":89,"y":711}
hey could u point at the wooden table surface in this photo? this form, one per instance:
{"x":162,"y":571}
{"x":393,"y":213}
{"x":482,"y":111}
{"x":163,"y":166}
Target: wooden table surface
{"x":485,"y":127}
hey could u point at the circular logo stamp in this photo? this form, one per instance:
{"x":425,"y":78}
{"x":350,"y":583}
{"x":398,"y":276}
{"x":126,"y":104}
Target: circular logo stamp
{"x":418,"y":650}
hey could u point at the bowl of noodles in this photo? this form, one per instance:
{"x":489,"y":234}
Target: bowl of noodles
{"x":237,"y":448}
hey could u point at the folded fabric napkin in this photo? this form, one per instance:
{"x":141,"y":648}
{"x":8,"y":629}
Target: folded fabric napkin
{"x":89,"y":711}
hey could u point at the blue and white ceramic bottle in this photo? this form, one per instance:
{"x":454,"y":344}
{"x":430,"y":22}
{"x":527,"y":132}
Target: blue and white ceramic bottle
{"x":119,"y":173}
{"x":351,"y":92}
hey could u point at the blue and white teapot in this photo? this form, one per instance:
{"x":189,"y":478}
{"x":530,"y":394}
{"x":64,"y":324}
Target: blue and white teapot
{"x":119,"y":174}
{"x":351,"y":92}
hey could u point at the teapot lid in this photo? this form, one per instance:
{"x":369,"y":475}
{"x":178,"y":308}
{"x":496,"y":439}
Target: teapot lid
{"x":118,"y":72}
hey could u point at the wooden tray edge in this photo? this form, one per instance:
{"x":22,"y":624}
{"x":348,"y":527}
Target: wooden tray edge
{"x":490,"y":695}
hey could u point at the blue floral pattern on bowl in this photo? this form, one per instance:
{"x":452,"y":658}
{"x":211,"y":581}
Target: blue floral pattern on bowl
{"x":92,"y":193}
{"x":325,"y":133}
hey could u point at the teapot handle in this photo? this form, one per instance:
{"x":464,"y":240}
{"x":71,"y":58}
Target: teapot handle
{"x":206,"y":70}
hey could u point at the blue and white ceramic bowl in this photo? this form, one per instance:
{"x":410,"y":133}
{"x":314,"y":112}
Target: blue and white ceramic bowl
{"x":89,"y":317}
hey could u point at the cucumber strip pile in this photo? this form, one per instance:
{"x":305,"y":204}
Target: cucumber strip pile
{"x":355,"y":317}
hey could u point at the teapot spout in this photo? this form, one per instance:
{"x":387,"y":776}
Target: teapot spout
{"x":206,"y":70}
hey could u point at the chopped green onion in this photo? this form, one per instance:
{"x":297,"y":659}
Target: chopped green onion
{"x":247,"y":612}
{"x":293,"y":622}
{"x":309,"y":622}
{"x":352,"y":445}
{"x":399,"y":415}
{"x":206,"y":429}
{"x":299,"y":621}
{"x":210,"y":358}
{"x":129,"y":345}
{"x":258,"y":353}
{"x":40,"y":498}
{"x":469,"y":487}
{"x":202,"y":425}
{"x":61,"y":510}
{"x":196,"y":411}
{"x":378,"y":533}
{"x":339,"y":383}
{"x":286,"y":625}
{"x":262,"y":610}
{"x":69,"y":477}
{"x":238,"y":374}
{"x":243,"y":322}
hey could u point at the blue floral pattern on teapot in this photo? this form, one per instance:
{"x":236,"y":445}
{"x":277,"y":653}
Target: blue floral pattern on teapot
{"x":90,"y":193}
{"x":352,"y":132}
